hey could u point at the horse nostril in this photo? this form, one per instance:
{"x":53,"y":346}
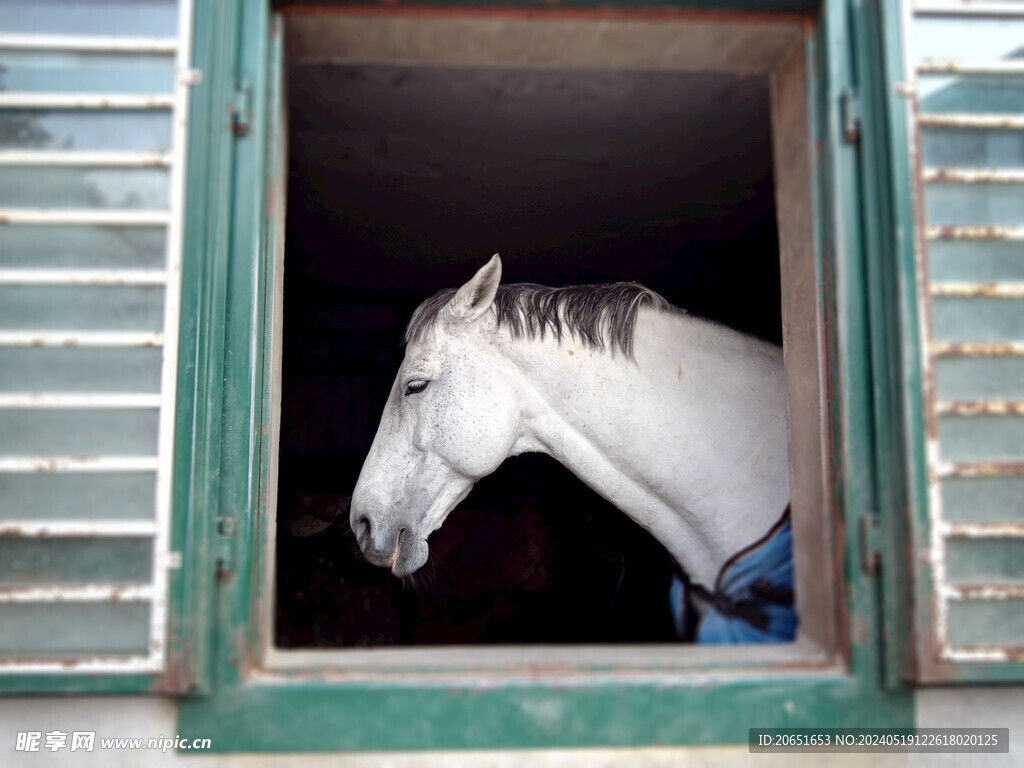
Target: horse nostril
{"x":363,"y":526}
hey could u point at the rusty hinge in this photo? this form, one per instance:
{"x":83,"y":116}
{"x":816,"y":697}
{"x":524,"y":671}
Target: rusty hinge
{"x":224,"y":563}
{"x":870,"y":544}
{"x":241,"y":108}
{"x":850,"y":114}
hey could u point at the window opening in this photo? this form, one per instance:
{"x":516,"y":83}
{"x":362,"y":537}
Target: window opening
{"x":402,"y":181}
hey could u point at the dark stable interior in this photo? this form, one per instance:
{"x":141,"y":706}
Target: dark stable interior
{"x":404,"y":180}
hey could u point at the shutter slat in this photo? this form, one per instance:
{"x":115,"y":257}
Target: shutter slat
{"x":966,"y":176}
{"x":89,"y":43}
{"x":106,"y":217}
{"x":977,"y":349}
{"x":85,"y":339}
{"x":978,"y":407}
{"x":92,"y":663}
{"x":966,"y":8}
{"x":56,"y":158}
{"x":974,"y":290}
{"x":82,"y":277}
{"x":42,"y":464}
{"x":85,"y":101}
{"x":973,"y":232}
{"x":1005,"y":530}
{"x":78,"y":593}
{"x":78,"y":400}
{"x":972,"y":121}
{"x":76,"y":528}
{"x":970,"y":654}
{"x":985,"y":592}
{"x":929,"y":66}
{"x":943,"y":470}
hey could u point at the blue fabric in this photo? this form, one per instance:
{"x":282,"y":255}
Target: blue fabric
{"x":753,"y":602}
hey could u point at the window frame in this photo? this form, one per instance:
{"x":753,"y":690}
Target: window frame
{"x":251,"y":708}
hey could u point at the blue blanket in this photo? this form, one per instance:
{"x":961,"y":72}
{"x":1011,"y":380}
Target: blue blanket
{"x":753,"y":597}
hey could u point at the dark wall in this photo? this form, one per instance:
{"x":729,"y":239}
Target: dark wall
{"x":404,"y":180}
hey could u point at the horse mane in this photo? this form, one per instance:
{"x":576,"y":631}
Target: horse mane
{"x":602,"y":316}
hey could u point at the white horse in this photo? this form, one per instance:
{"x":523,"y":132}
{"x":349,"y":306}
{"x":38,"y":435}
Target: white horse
{"x":677,"y":421}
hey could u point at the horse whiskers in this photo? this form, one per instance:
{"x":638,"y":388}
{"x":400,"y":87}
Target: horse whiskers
{"x":410,"y":582}
{"x":351,"y":542}
{"x":618,"y":584}
{"x":437,"y":562}
{"x":426,"y":579}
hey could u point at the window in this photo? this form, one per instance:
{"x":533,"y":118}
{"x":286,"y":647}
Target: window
{"x":141,"y":303}
{"x":581,"y":176}
{"x":571,"y":694}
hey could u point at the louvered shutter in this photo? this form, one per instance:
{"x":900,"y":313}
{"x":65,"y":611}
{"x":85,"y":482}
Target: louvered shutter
{"x":963,"y":93}
{"x":93,"y":100}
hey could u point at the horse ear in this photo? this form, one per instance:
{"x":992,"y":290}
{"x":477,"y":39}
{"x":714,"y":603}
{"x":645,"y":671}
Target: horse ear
{"x":475,"y":297}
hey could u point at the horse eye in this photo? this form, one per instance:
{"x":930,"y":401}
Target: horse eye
{"x":417,"y":385}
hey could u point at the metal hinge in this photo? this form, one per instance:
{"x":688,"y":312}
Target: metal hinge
{"x":850,"y":114}
{"x":870,"y":544}
{"x":241,"y":109}
{"x":224,"y":564}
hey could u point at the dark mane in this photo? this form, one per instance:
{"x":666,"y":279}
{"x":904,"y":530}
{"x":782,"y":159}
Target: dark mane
{"x":601,"y":316}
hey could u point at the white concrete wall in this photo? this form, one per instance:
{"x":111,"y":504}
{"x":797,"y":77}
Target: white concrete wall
{"x":147,"y":717}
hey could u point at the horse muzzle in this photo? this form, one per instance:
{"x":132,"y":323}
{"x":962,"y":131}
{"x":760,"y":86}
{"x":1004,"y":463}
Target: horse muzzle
{"x":397,"y":548}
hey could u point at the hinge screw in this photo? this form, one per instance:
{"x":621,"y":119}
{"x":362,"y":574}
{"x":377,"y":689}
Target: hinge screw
{"x":241,"y":109}
{"x":849,"y":110}
{"x":191,"y":77}
{"x":224,"y":567}
{"x":172,"y":561}
{"x":905,"y":90}
{"x":870,"y":549}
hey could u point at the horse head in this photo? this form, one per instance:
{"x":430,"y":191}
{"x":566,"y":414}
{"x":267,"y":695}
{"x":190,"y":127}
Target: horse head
{"x":678,"y":422}
{"x":451,"y":418}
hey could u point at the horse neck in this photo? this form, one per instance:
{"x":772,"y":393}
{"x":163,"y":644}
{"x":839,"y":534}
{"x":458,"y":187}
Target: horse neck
{"x":664,"y":437}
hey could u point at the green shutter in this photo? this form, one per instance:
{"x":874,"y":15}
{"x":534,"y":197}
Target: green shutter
{"x":93,"y":116}
{"x":959,"y":96}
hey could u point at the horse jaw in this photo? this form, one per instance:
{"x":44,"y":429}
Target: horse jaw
{"x":393,"y":513}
